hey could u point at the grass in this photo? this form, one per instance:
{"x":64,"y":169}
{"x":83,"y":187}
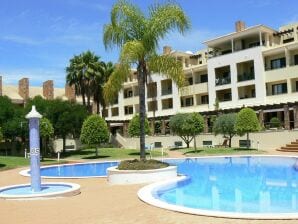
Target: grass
{"x":11,"y":162}
{"x":218,"y":151}
{"x":108,"y":153}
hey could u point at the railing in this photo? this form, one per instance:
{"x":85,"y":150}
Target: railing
{"x":246,"y":77}
{"x":222,"y":81}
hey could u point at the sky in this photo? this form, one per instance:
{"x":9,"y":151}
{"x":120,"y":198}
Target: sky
{"x":38,"y":37}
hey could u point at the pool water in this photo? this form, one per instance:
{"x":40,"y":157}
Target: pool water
{"x":235,"y":184}
{"x":77,"y":170}
{"x":27,"y":190}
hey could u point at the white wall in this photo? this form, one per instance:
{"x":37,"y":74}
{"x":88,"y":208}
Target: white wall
{"x":268,"y":140}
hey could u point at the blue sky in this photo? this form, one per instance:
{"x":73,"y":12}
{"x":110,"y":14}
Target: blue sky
{"x":38,"y":37}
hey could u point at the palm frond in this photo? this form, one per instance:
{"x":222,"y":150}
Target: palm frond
{"x":169,"y":67}
{"x":114,"y":84}
{"x":132,"y":52}
{"x":164,"y":19}
{"x":127,"y":23}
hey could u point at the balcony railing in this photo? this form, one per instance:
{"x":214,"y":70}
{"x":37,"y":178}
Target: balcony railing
{"x":246,"y":77}
{"x":222,"y":81}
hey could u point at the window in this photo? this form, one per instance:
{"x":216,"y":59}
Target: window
{"x":288,"y":40}
{"x":190,"y":81}
{"x":279,"y":88}
{"x":296,"y":59}
{"x":278,"y":63}
{"x":296,"y":86}
{"x":128,"y":110}
{"x":227,"y":96}
{"x":204,"y":99}
{"x":187,"y":102}
{"x":204,"y":78}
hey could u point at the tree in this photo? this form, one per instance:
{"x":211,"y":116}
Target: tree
{"x":134,"y":126}
{"x":46,"y":131}
{"x":138,"y":34}
{"x":275,"y":122}
{"x":247,"y":122}
{"x":187,"y":126}
{"x":1,"y":135}
{"x":94,"y":132}
{"x":225,"y":125}
{"x":83,"y":71}
{"x":106,"y":70}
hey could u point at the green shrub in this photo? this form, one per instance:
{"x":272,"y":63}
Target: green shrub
{"x":94,"y":131}
{"x":275,"y":122}
{"x":134,"y":126}
{"x":136,"y":164}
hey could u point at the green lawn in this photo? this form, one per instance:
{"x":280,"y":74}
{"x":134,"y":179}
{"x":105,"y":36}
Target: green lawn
{"x":10,"y":162}
{"x":108,"y":153}
{"x":218,"y":151}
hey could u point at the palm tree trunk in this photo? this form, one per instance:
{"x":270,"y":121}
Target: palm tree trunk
{"x":141,"y":82}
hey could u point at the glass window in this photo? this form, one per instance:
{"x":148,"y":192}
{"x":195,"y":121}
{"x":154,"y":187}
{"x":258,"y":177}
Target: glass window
{"x":204,"y":78}
{"x":279,"y":89}
{"x":296,"y":59}
{"x":278,"y":63}
{"x":204,"y":99}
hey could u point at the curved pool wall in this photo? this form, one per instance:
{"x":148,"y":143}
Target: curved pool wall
{"x":74,"y":170}
{"x":48,"y":190}
{"x":254,"y":187}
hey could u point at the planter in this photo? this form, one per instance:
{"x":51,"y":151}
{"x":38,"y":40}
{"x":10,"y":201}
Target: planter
{"x":116,"y":176}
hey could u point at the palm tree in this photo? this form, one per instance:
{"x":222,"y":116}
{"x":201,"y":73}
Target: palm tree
{"x":83,"y":72}
{"x":106,"y":70}
{"x":138,"y":34}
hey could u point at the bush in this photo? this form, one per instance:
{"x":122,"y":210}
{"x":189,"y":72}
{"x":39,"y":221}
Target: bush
{"x":225,"y":125}
{"x":275,"y":122}
{"x":94,"y":131}
{"x":141,"y":164}
{"x":134,"y":126}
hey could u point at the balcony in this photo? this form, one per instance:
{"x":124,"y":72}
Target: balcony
{"x":222,"y":75}
{"x":245,"y":77}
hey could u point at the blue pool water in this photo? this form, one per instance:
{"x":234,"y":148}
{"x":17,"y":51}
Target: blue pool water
{"x":26,"y":190}
{"x":78,"y":170}
{"x":235,"y":184}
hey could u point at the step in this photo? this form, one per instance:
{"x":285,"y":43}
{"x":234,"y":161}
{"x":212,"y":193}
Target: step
{"x":292,"y":145}
{"x":290,"y":148}
{"x":287,"y":150}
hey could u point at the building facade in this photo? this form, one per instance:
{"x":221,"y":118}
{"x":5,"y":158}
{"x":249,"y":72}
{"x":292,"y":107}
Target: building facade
{"x":253,"y":67}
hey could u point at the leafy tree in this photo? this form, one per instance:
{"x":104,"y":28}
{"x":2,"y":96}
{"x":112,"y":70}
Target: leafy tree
{"x":225,"y":125}
{"x":275,"y":122}
{"x":247,"y":122}
{"x":94,"y":132}
{"x":7,"y":110}
{"x":46,"y":131}
{"x":66,"y":117}
{"x":187,"y":126}
{"x":134,"y":126}
{"x":137,"y":35}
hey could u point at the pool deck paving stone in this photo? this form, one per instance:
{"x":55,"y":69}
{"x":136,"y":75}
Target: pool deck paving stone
{"x":99,"y":202}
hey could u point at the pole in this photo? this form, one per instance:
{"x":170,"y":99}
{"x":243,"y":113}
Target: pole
{"x":34,"y":117}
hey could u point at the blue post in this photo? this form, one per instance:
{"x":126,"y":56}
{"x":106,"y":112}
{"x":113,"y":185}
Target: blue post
{"x":34,"y":117}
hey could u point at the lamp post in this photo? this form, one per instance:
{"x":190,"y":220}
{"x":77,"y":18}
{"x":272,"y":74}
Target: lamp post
{"x":34,"y":117}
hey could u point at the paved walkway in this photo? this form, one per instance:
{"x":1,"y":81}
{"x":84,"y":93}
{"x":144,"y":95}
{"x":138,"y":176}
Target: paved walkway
{"x":101,"y":203}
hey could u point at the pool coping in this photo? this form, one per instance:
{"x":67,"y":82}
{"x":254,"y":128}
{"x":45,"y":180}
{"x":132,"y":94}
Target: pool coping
{"x":25,"y":172}
{"x":74,"y":190}
{"x":145,"y":194}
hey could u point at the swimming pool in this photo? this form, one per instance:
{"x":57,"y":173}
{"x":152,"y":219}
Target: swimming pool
{"x":77,"y":170}
{"x":239,"y":187}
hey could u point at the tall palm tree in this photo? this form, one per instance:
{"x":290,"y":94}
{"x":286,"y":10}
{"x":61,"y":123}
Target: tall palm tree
{"x":83,"y":72}
{"x":138,"y":34}
{"x":106,"y":70}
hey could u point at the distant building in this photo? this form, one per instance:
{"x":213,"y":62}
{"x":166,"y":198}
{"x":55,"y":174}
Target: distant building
{"x":20,"y":93}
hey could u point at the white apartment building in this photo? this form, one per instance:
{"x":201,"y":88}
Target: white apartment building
{"x":254,"y":67}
